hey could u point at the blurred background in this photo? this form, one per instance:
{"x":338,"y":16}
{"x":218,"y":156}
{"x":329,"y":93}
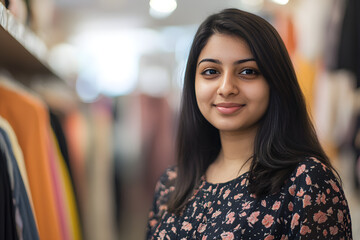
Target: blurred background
{"x":94,"y":87}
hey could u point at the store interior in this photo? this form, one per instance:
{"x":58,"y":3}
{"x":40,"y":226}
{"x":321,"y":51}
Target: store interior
{"x":90,"y":90}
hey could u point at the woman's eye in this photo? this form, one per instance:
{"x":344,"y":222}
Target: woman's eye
{"x":209,"y":72}
{"x":249,"y":71}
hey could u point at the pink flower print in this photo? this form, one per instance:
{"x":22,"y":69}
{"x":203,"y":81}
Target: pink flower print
{"x":153,"y":222}
{"x":306,"y":201}
{"x":230,"y":218}
{"x":172,"y":175}
{"x":325,"y":232}
{"x":173,"y":229}
{"x":246,"y":205}
{"x":335,"y":200}
{"x":211,"y":210}
{"x":292,"y":189}
{"x":170,"y":220}
{"x":253,"y":195}
{"x":324,"y":167}
{"x":263,"y":203}
{"x":330,"y":211}
{"x":201,"y":227}
{"x":237,"y":196}
{"x":304,"y":230}
{"x":163,"y":207}
{"x":320,"y":198}
{"x":315,"y":160}
{"x":219,"y":202}
{"x":269,"y":237}
{"x":186,"y":226}
{"x":308,"y":180}
{"x":300,"y":193}
{"x":340,"y":216}
{"x":300,"y":170}
{"x":334,"y":185}
{"x":284,"y":237}
{"x":268,"y":220}
{"x":291,"y":206}
{"x":221,"y":190}
{"x":243,"y":214}
{"x":328,"y":191}
{"x":215,"y":214}
{"x":204,"y":237}
{"x":162,"y":234}
{"x":320,"y":217}
{"x":227,"y":236}
{"x":295,"y":220}
{"x":243,"y":182}
{"x":253,"y":217}
{"x":237,"y":227}
{"x":226,"y":193}
{"x":334,"y":230}
{"x":276,"y":206}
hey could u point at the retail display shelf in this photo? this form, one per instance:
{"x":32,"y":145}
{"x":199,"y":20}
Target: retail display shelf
{"x":21,"y":51}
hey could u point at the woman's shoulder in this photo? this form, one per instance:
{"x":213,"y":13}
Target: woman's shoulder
{"x":312,"y":176}
{"x":314,"y":170}
{"x":166,"y":182}
{"x":169,"y":175}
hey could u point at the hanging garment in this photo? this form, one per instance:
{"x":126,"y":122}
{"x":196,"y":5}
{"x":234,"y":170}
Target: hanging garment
{"x":61,"y":142}
{"x":58,"y":187}
{"x":18,"y":156}
{"x":26,"y":226}
{"x":67,"y":192}
{"x":349,"y":45}
{"x":7,"y":216}
{"x":29,"y":119}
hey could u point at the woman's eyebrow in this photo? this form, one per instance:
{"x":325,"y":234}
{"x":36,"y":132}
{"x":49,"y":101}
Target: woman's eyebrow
{"x":219,"y":62}
{"x":244,"y":60}
{"x":209,"y":60}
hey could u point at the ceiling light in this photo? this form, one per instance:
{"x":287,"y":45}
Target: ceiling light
{"x":162,"y":8}
{"x":281,"y":2}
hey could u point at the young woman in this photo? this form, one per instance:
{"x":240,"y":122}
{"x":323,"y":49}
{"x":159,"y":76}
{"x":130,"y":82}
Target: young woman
{"x":249,"y":164}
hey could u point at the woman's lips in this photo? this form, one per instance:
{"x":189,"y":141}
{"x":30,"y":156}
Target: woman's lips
{"x":228,"y":108}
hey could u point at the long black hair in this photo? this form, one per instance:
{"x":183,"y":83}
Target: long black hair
{"x":285,"y":136}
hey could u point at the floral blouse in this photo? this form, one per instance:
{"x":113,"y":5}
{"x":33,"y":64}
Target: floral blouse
{"x":311,"y":205}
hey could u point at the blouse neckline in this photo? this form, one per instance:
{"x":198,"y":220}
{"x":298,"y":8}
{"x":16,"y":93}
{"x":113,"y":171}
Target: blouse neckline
{"x":241,"y":177}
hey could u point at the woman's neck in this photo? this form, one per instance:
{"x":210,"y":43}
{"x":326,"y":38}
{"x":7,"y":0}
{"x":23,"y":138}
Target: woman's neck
{"x":233,"y":160}
{"x":236,"y":148}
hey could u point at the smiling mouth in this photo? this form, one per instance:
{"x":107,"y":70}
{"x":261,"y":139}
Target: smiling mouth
{"x":228,"y":108}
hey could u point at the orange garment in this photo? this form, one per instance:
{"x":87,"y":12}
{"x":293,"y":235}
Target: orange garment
{"x":306,"y":73}
{"x":76,"y":130}
{"x":30,"y":121}
{"x":285,"y":26}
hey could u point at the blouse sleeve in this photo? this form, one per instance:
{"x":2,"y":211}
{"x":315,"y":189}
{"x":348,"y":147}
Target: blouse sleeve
{"x":163,"y":187}
{"x":318,"y":208}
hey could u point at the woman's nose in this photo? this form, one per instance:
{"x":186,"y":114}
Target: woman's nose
{"x":228,"y":86}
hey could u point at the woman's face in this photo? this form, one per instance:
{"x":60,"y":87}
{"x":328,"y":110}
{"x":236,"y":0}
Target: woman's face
{"x":230,"y":91}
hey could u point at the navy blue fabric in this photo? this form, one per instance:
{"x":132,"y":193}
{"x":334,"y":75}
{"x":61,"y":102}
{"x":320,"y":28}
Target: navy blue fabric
{"x":7,"y":213}
{"x":29,"y":230}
